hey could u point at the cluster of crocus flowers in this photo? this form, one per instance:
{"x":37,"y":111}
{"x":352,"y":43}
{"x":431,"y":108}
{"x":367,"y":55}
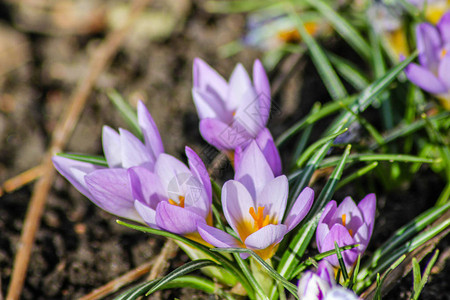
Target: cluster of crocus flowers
{"x":322,"y":286}
{"x":234,"y":113}
{"x":433,"y":9}
{"x":433,"y":73}
{"x":254,"y":205}
{"x":272,"y":28}
{"x":346,"y":224}
{"x":387,"y":21}
{"x":141,"y":182}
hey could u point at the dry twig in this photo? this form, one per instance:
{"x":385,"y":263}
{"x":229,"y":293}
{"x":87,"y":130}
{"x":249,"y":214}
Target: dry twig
{"x":99,"y":61}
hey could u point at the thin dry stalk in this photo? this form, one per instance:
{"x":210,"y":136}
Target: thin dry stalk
{"x":22,"y":179}
{"x":168,"y":251}
{"x":99,"y":61}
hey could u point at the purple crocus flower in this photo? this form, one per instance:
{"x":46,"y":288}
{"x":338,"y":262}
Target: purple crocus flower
{"x":322,"y":286}
{"x":174,"y":197}
{"x":109,"y":188}
{"x":254,"y":205}
{"x":346,"y":224}
{"x":234,"y":113}
{"x":433,"y":73}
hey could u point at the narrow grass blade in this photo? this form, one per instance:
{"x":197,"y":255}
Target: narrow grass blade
{"x":361,"y":172}
{"x":311,"y":149}
{"x":91,"y":159}
{"x":341,"y":261}
{"x":323,"y":65}
{"x":227,"y":264}
{"x":127,"y":112}
{"x":271,"y":271}
{"x":138,"y":291}
{"x":342,"y":27}
{"x":418,"y":289}
{"x":332,"y":161}
{"x":181,"y":271}
{"x":349,"y":71}
{"x":326,"y":110}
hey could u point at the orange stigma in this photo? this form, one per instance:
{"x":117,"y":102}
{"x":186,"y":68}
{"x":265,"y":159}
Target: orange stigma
{"x":344,"y":218}
{"x":180,"y":204}
{"x":443,"y":53}
{"x":258,"y":217}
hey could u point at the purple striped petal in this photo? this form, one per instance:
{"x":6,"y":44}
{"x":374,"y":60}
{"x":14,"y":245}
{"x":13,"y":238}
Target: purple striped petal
{"x":362,"y":237}
{"x":217,"y":238}
{"x":444,"y":70}
{"x":266,"y":236}
{"x":424,"y":79}
{"x":300,"y":208}
{"x":444,"y":27}
{"x":199,"y":170}
{"x":253,"y":170}
{"x":339,"y":234}
{"x":238,"y":89}
{"x":134,"y":153}
{"x":209,"y":106}
{"x":166,"y":168}
{"x":368,"y":206}
{"x":111,"y":191}
{"x":428,"y":44}
{"x":177,"y":219}
{"x":236,"y":203}
{"x":74,"y":171}
{"x":147,"y":214}
{"x":270,"y":151}
{"x":273,"y":198}
{"x":223,"y":136}
{"x":208,"y":80}
{"x":146,"y":187}
{"x":262,"y":88}
{"x":112,"y":147}
{"x":151,"y":134}
{"x":353,"y":217}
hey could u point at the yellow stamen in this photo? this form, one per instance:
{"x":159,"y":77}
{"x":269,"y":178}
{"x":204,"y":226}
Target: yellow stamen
{"x":443,"y":53}
{"x":351,"y":232}
{"x":344,"y":217}
{"x":180,"y":204}
{"x":258,"y":217}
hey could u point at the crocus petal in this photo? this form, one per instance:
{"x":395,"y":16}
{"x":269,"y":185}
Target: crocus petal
{"x":150,"y":132}
{"x":312,"y":287}
{"x":300,"y":208}
{"x":367,"y":206}
{"x":134,"y":153}
{"x":177,"y":219}
{"x":353,"y":216}
{"x":198,"y":169}
{"x":424,"y":79}
{"x":217,"y":238}
{"x":222,"y":136}
{"x":362,"y":237}
{"x":248,"y":114}
{"x":340,"y":293}
{"x":111,"y":191}
{"x":236,"y":203}
{"x":266,"y":236}
{"x":444,"y":27}
{"x":339,"y":234}
{"x":262,"y":88}
{"x":273,"y":198}
{"x":325,"y":271}
{"x":207,"y":79}
{"x":112,"y":147}
{"x":167,"y":167}
{"x":74,"y":171}
{"x":444,"y":70}
{"x":147,"y":214}
{"x":253,"y":170}
{"x":210,"y":106}
{"x":428,"y":43}
{"x":146,"y":187}
{"x":270,"y":151}
{"x":328,"y":212}
{"x":239,"y":86}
